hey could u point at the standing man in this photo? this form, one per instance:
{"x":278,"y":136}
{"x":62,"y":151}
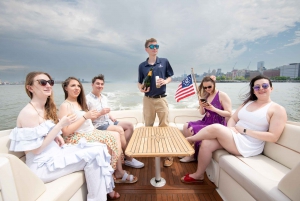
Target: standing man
{"x":154,"y":101}
{"x":105,"y":121}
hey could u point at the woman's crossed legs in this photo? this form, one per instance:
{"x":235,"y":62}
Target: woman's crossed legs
{"x":214,"y":137}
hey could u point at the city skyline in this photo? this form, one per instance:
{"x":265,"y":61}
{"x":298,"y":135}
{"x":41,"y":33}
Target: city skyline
{"x":260,"y":70}
{"x":85,"y":38}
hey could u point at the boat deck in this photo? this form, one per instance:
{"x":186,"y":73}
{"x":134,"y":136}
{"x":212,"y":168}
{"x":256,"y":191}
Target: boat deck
{"x":174,"y":188}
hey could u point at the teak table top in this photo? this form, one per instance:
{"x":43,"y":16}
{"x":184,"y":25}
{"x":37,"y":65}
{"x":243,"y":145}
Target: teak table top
{"x":158,"y":142}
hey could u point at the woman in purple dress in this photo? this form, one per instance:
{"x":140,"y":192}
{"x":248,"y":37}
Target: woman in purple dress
{"x":215,"y":104}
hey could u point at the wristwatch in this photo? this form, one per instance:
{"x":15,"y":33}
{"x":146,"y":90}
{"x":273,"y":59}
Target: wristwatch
{"x":245,"y":130}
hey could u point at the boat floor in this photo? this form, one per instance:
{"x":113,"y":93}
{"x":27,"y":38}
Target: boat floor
{"x":174,"y":188}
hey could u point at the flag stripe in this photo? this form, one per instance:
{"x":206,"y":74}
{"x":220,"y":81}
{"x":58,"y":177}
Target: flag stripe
{"x":185,"y":89}
{"x":188,"y":93}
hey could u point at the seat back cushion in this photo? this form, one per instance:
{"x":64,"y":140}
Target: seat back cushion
{"x":290,"y":183}
{"x":133,"y":116}
{"x":178,"y":117}
{"x":28,"y":185}
{"x":286,"y":150}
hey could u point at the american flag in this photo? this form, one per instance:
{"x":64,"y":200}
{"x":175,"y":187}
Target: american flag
{"x":185,"y":89}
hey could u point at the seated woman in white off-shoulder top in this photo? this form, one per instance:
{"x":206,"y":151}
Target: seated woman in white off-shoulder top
{"x":38,"y":134}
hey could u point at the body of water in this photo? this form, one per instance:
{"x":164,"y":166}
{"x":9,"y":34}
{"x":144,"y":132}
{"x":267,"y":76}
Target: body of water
{"x":126,"y":96}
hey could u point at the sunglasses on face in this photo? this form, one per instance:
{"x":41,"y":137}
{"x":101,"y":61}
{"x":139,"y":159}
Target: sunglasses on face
{"x":264,"y":86}
{"x":44,"y":82}
{"x":153,"y":46}
{"x":208,"y":87}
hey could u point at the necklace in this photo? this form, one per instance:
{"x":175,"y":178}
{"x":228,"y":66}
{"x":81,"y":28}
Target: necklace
{"x":36,"y":110}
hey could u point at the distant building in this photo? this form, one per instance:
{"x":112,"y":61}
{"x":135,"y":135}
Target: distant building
{"x":272,"y":73}
{"x":253,"y":74}
{"x":260,"y":65}
{"x":213,"y":72}
{"x":241,"y":73}
{"x":229,"y":75}
{"x":292,"y":70}
{"x":219,"y":72}
{"x":234,"y":73}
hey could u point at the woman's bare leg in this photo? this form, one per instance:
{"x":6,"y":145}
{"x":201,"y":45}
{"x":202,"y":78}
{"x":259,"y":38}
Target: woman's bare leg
{"x":187,"y":132}
{"x":213,"y":137}
{"x":205,"y":153}
{"x":118,"y":141}
{"x":119,"y":172}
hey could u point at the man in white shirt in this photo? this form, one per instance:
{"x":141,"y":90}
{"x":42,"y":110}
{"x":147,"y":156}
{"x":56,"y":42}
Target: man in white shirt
{"x":104,"y":120}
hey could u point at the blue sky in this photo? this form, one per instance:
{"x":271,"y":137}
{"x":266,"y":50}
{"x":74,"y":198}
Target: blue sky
{"x":85,"y":38}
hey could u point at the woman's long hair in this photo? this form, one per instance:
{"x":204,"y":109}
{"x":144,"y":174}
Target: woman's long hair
{"x":250,"y":96}
{"x":81,"y":97}
{"x":50,"y":107}
{"x":202,"y":92}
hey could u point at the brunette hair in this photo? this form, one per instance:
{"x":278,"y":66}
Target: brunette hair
{"x":250,"y":96}
{"x":100,"y":77}
{"x":202,"y":92}
{"x":81,"y":100}
{"x":151,"y":40}
{"x":50,"y":107}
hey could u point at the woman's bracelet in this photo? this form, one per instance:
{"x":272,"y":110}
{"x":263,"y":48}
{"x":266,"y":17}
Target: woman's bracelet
{"x":84,"y":117}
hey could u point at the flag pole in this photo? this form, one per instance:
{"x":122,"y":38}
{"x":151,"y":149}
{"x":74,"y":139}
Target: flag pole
{"x":195,"y":83}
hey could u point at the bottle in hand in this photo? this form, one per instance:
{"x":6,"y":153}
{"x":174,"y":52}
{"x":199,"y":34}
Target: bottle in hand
{"x":147,"y":80}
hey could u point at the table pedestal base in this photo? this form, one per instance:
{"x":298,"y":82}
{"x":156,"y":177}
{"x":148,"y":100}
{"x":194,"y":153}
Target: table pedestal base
{"x":160,"y":183}
{"x":157,"y":181}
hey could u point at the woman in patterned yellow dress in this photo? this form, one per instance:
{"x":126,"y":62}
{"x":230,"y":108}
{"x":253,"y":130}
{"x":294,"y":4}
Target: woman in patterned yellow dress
{"x":75,"y":102}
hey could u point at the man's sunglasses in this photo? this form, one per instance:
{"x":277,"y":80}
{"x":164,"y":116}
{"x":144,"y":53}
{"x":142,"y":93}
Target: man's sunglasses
{"x":153,"y":46}
{"x":208,"y":87}
{"x":44,"y":82}
{"x":264,"y":86}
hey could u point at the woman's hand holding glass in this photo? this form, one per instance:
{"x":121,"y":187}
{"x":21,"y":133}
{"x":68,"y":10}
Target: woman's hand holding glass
{"x":92,"y":114}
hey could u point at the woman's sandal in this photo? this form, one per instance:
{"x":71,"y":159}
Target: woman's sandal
{"x":123,"y":180}
{"x":187,"y":179}
{"x":115,"y":197}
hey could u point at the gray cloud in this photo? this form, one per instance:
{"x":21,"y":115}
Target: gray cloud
{"x":84,"y":38}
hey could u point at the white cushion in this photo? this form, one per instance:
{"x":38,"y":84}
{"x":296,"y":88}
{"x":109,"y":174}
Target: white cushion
{"x":252,"y":180}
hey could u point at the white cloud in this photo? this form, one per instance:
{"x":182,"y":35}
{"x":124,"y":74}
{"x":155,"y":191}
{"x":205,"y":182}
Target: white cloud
{"x":296,"y":40}
{"x":271,"y":51}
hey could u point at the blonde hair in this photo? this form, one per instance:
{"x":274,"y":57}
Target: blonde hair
{"x":50,"y":107}
{"x":202,"y":92}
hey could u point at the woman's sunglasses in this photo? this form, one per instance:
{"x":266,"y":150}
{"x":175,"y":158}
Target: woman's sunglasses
{"x":153,"y":46}
{"x":208,"y":87}
{"x":44,"y":82}
{"x":264,"y":86}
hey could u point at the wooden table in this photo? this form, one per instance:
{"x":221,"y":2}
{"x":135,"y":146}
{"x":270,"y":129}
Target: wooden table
{"x":158,"y":142}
